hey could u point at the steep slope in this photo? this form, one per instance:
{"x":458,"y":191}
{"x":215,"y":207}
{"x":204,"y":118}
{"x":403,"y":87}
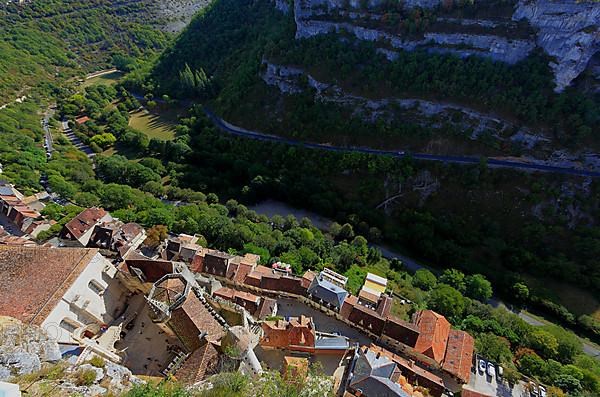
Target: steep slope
{"x":475,"y":78}
{"x":50,"y":40}
{"x":565,"y":30}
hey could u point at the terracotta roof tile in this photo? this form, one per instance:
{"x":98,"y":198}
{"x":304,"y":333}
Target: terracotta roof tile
{"x":459,"y":354}
{"x":411,"y":370}
{"x":266,"y":308}
{"x":471,"y":393}
{"x":83,"y":222}
{"x":243,"y":270}
{"x":34,"y":279}
{"x":434,"y":330}
{"x":201,"y":363}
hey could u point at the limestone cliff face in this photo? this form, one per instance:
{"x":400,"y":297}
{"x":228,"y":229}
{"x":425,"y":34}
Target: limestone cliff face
{"x":292,"y":80}
{"x":567,"y":30}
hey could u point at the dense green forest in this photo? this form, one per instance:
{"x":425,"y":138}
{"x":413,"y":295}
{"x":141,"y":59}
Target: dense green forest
{"x":21,"y":155}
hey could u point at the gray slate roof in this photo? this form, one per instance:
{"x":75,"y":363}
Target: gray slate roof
{"x":327,"y":292}
{"x":372,"y":376}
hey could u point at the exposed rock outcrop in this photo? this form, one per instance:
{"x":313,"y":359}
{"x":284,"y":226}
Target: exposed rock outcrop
{"x":495,"y":47}
{"x":568,"y":30}
{"x":24,"y":348}
{"x":293,"y":80}
{"x":283,"y":6}
{"x":492,"y":46}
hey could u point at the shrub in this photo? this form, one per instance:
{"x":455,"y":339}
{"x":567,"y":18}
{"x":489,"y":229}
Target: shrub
{"x":97,"y":362}
{"x":85,"y":377}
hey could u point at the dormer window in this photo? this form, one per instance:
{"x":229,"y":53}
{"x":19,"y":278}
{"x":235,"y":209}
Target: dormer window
{"x":96,"y":287}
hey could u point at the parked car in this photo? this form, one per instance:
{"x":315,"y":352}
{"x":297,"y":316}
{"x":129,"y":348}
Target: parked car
{"x":491,"y":370}
{"x":542,"y":391}
{"x":482,"y":366}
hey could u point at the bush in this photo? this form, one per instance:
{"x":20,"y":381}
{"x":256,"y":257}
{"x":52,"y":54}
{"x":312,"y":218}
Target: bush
{"x":85,"y":377}
{"x":424,"y":279}
{"x":97,"y":362}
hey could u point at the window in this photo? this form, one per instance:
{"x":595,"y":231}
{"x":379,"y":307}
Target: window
{"x":96,"y":287}
{"x":69,"y":324}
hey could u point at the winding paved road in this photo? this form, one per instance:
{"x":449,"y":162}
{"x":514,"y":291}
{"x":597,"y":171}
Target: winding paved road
{"x":491,"y":162}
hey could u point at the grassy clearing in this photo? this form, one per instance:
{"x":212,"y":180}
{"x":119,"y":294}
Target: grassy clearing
{"x":155,"y":125}
{"x":106,"y":79}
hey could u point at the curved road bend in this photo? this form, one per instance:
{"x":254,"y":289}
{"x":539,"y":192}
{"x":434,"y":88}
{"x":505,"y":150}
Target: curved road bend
{"x":492,"y":162}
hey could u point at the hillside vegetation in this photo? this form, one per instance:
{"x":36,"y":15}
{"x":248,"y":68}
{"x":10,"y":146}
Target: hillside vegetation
{"x":231,"y":40}
{"x":46,"y":41}
{"x":515,"y":225}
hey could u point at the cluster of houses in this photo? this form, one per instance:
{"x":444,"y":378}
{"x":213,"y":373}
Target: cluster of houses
{"x":179,"y":309}
{"x":21,"y":213}
{"x":429,"y":339}
{"x":96,"y":228}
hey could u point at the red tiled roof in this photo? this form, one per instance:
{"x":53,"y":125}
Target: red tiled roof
{"x":26,"y":211}
{"x":131,"y":230}
{"x":384,"y":306}
{"x":243,"y":270}
{"x":201,"y":363}
{"x":231,"y":270}
{"x":434,"y":330}
{"x":265,"y":308}
{"x":260,"y":269}
{"x":459,"y":354}
{"x":246,"y":296}
{"x":225,"y":293}
{"x":307,"y":278}
{"x":82,"y":119}
{"x":83,"y":222}
{"x":413,"y":372}
{"x":298,"y":333}
{"x":368,"y":296}
{"x":34,"y":279}
{"x":191,"y":320}
{"x":152,"y":269}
